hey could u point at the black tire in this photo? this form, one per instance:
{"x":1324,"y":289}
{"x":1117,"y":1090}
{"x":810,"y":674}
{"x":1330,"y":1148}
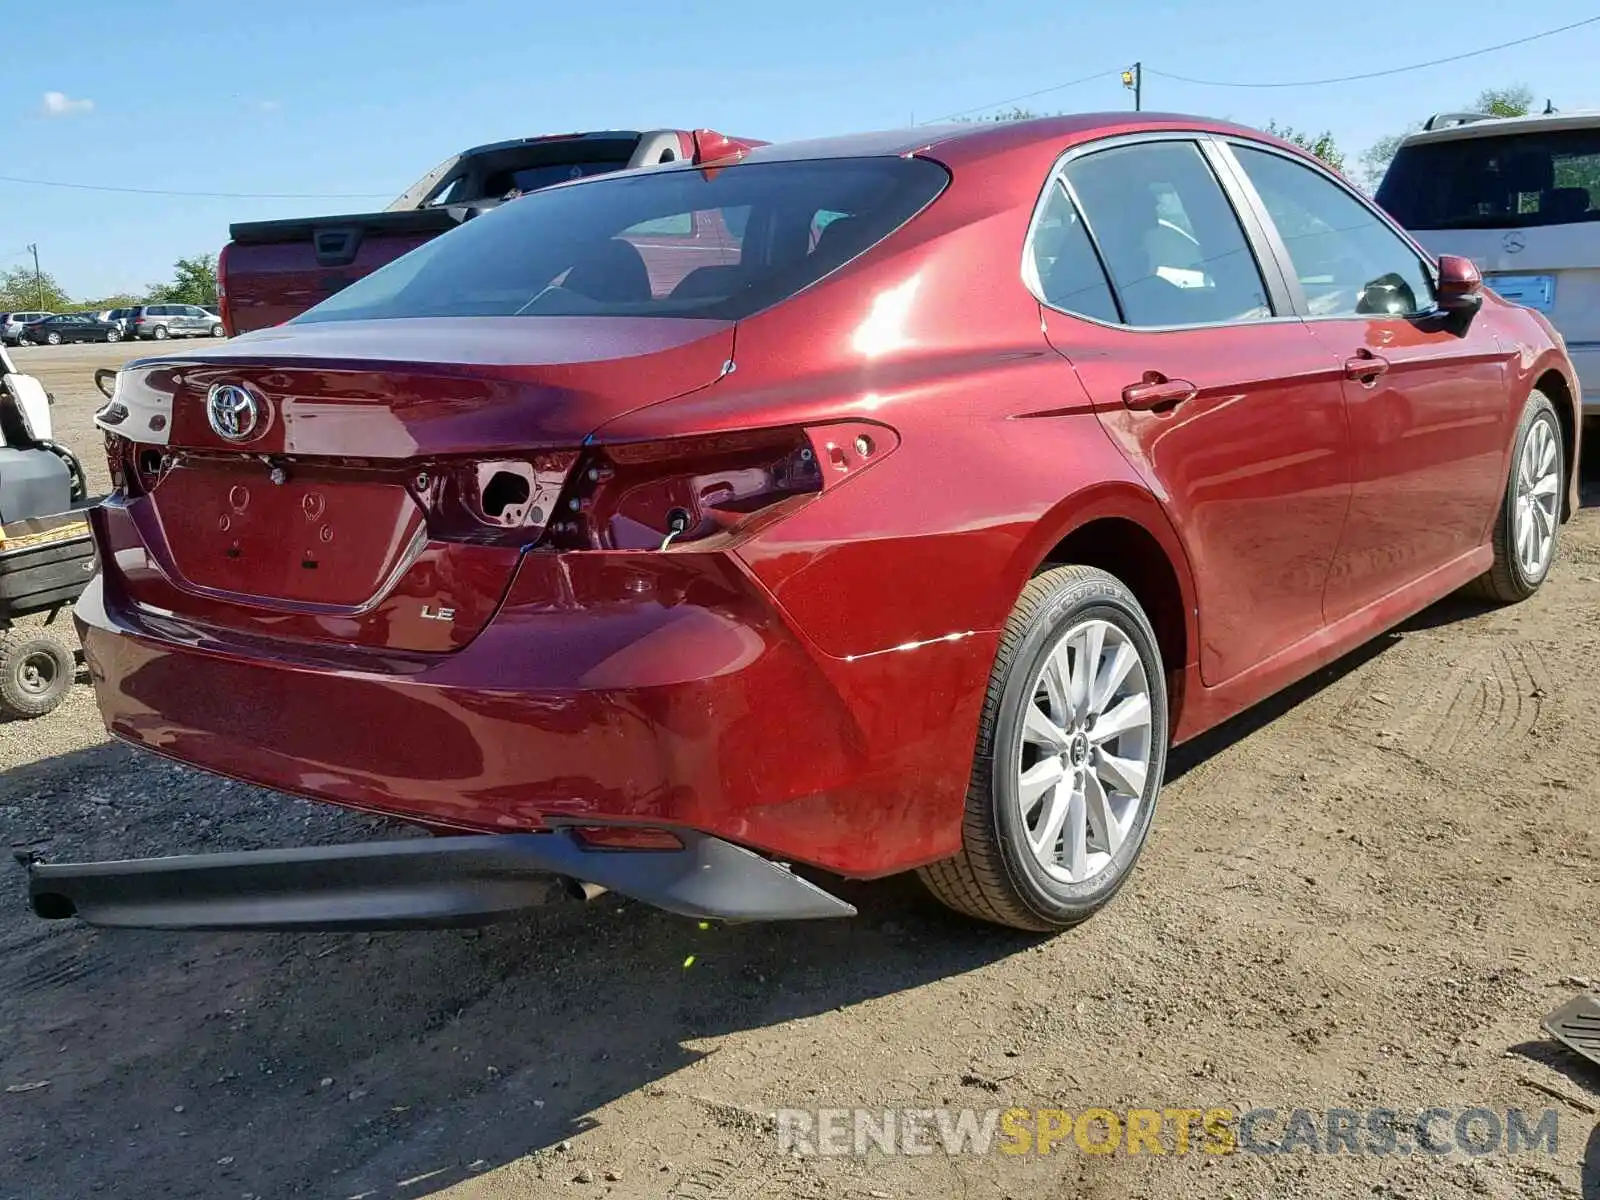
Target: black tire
{"x":1507,"y":581}
{"x":52,"y":339}
{"x":36,"y":670}
{"x":160,"y":333}
{"x":995,"y":877}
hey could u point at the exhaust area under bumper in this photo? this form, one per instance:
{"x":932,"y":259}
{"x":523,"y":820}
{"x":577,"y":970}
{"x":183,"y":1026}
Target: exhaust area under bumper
{"x":419,"y":883}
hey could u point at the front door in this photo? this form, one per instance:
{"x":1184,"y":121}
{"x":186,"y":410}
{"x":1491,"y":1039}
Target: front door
{"x":1232,"y":413}
{"x":1426,"y":395}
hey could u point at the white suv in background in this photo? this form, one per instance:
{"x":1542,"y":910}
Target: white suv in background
{"x":11,"y":324}
{"x":1520,"y":196}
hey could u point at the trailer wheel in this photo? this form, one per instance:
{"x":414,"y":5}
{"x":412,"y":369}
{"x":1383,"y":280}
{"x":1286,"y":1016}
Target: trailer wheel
{"x":36,"y":669}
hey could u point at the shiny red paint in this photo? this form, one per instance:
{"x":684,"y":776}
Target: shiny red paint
{"x":808,"y":682}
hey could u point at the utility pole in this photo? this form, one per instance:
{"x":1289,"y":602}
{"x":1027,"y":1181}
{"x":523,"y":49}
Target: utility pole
{"x":1133,"y":79}
{"x":38,"y":277}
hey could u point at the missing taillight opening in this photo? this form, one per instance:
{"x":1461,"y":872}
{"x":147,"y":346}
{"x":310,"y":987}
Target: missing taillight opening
{"x":672,"y":494}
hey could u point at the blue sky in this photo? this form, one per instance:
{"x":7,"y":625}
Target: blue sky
{"x":363,"y":96}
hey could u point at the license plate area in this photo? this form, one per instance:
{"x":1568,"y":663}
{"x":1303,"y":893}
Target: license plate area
{"x":1530,"y":291}
{"x":324,"y":539}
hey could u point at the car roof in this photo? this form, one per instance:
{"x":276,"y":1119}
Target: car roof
{"x":1474,"y":126}
{"x":976,"y":140}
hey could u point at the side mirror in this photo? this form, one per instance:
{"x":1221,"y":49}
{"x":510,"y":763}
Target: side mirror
{"x":1460,"y":285}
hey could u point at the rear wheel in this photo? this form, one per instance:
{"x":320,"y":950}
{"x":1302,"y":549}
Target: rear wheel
{"x":1071,"y":749}
{"x":1524,"y":537}
{"x":52,"y":339}
{"x":160,"y":333}
{"x":36,"y":669}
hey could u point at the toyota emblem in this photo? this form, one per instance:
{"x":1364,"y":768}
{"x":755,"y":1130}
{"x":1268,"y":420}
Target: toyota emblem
{"x":232,"y":411}
{"x":1513,"y":242}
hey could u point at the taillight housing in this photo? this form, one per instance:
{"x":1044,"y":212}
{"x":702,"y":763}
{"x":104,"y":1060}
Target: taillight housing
{"x":705,"y":491}
{"x":494,"y":501}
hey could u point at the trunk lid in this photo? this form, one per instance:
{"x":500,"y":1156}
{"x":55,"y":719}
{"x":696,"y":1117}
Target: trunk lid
{"x":383,"y":477}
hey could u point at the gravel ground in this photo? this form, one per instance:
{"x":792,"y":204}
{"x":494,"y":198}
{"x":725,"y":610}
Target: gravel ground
{"x":1363,"y":895}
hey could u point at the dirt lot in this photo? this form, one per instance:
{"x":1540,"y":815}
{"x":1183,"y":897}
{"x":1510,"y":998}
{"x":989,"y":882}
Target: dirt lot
{"x":1363,"y":896}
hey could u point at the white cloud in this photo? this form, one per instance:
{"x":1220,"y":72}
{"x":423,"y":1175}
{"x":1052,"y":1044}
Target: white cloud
{"x":59,"y":104}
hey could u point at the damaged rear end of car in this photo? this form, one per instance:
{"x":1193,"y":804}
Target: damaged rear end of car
{"x":385,"y":557}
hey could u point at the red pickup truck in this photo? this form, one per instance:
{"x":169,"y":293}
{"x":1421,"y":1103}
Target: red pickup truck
{"x":272,"y":271}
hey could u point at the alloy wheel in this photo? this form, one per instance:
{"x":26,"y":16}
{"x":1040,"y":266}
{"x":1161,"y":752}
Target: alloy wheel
{"x":1086,"y":751}
{"x":1537,"y":499}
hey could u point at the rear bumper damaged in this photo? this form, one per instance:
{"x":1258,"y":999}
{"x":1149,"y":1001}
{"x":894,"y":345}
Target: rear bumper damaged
{"x":419,"y":883}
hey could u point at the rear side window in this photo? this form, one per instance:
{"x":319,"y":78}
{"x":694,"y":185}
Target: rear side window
{"x":1349,"y":262}
{"x":1065,"y":272}
{"x":672,"y":242}
{"x":1172,"y":242}
{"x":1514,"y":180}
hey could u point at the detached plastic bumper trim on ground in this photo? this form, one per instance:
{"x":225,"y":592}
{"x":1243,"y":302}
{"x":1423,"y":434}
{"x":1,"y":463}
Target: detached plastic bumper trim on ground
{"x":419,"y":883}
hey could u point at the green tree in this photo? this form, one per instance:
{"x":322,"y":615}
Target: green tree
{"x":194,"y":281}
{"x":120,"y":300}
{"x":20,"y":288}
{"x":1516,"y":101}
{"x":1321,"y":144}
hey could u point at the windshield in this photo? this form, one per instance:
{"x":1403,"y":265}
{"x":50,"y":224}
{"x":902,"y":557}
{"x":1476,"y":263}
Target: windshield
{"x":721,"y":243}
{"x":1496,"y":182}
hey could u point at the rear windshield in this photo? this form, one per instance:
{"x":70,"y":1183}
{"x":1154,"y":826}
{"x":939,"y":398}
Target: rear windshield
{"x":665,"y":242}
{"x":1496,"y":182}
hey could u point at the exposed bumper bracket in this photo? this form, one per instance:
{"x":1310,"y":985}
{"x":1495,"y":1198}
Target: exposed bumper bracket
{"x":418,"y":883}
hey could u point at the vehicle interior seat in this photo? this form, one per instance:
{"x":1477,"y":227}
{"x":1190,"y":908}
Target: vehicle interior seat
{"x":709,"y":283}
{"x":1564,"y":203}
{"x":612,"y":271}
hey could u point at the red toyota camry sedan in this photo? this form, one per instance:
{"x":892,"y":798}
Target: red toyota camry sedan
{"x":883,"y":503}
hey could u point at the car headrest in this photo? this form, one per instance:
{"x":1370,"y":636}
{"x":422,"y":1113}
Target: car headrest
{"x":1565,"y":203}
{"x":612,"y":271}
{"x":1530,"y":171}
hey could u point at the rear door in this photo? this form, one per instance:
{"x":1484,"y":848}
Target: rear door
{"x":1218,"y":395}
{"x":1429,"y":409}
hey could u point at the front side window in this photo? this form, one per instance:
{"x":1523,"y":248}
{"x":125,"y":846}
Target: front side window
{"x":588,"y":249}
{"x":1348,"y":261}
{"x":1169,"y":237}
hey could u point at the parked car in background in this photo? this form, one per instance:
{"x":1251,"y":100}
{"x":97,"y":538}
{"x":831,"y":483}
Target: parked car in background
{"x":1520,"y":196}
{"x":70,"y":327}
{"x":902,"y":517}
{"x":158,"y":322}
{"x":117,"y":317}
{"x":11,"y":324}
{"x":274,"y":270}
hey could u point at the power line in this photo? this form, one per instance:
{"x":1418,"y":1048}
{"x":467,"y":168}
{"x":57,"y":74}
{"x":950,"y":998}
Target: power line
{"x":138,"y":191}
{"x":1026,"y":96}
{"x":1432,"y":62}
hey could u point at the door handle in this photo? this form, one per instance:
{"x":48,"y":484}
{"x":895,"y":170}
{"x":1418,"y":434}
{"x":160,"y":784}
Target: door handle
{"x":1156,"y":392}
{"x":1365,"y":366}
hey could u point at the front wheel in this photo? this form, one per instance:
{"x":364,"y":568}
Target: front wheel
{"x":218,"y":331}
{"x":160,"y":334}
{"x":113,"y":336}
{"x":1524,"y":537}
{"x":1071,"y":748}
